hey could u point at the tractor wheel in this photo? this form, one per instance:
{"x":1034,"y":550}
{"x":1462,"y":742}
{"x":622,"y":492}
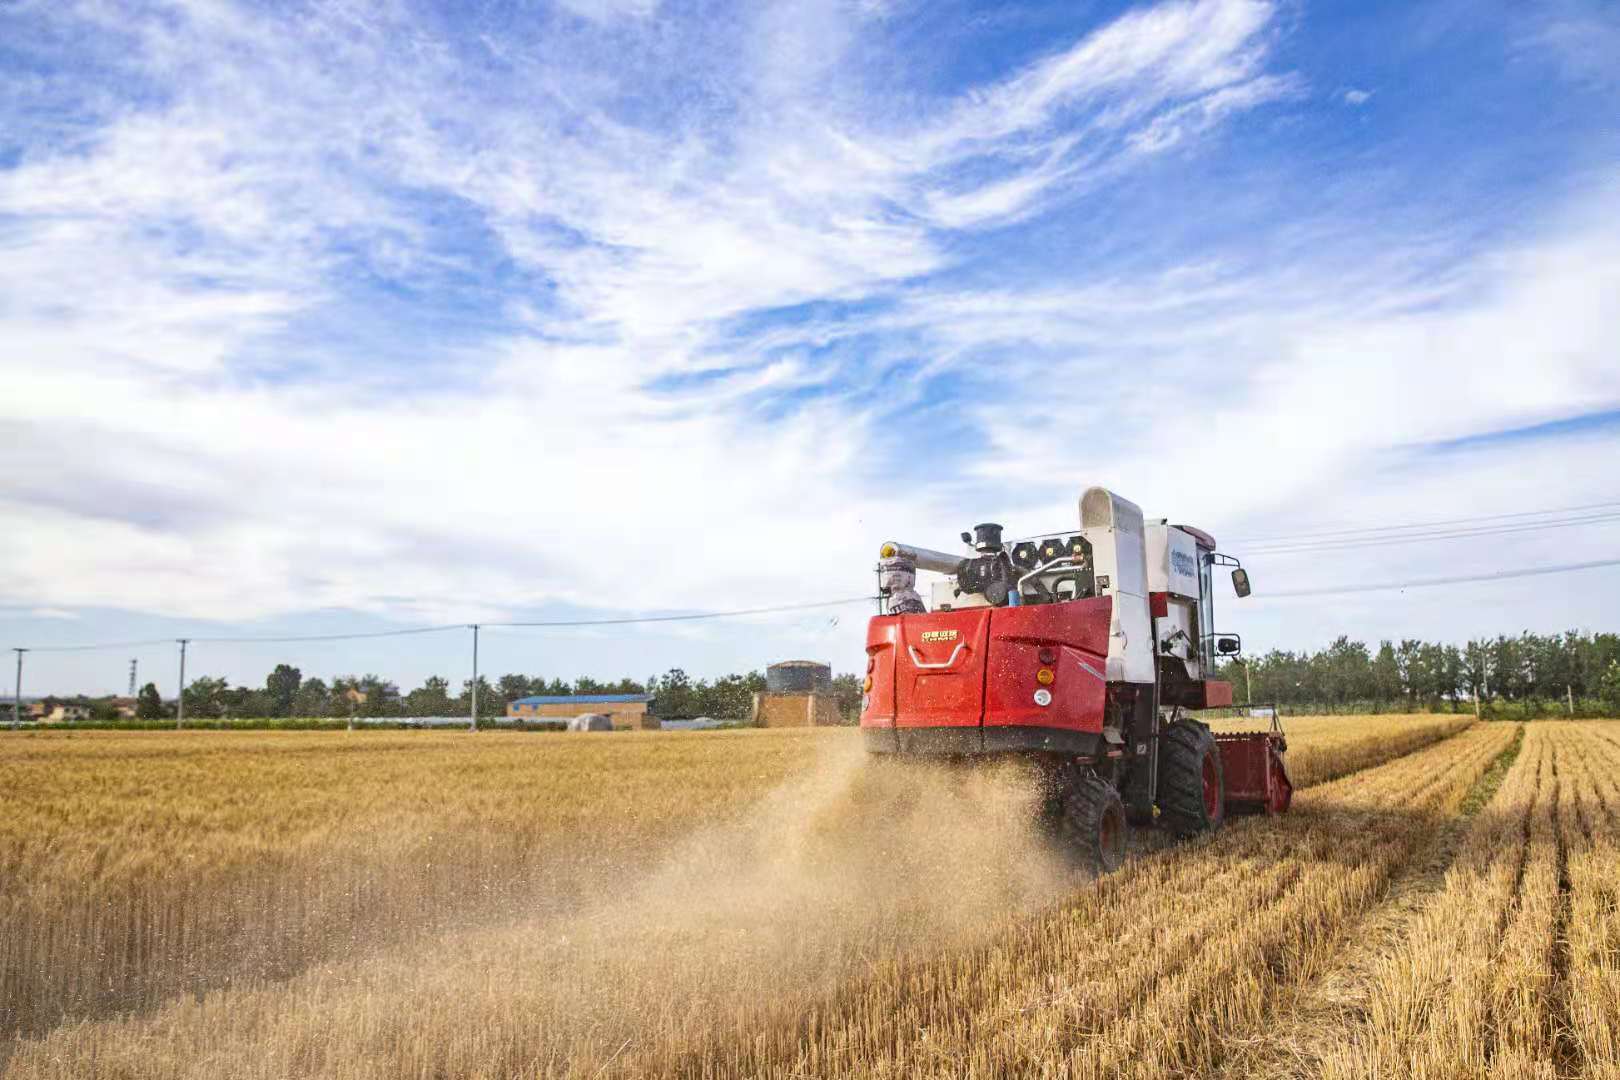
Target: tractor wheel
{"x":1192,"y":792}
{"x":1092,"y":825}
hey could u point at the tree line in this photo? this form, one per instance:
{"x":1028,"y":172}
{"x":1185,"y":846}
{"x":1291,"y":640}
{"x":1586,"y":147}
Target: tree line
{"x":1572,"y":670}
{"x":1529,"y":672}
{"x":288,"y":693}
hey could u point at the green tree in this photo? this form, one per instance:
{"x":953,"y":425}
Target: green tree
{"x":205,"y":698}
{"x":244,"y":702}
{"x":313,"y":698}
{"x":1407,"y":659}
{"x":1386,"y":674}
{"x":281,"y":688}
{"x":1609,"y":686}
{"x":432,"y":698}
{"x":1476,"y":669}
{"x":149,"y":704}
{"x":1448,"y":668}
{"x":489,"y":702}
{"x":730,"y":697}
{"x":675,"y":695}
{"x":512,"y":687}
{"x":847,"y":692}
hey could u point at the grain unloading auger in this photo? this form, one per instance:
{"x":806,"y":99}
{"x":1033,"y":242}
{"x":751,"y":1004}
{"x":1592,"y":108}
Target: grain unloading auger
{"x":1080,"y":651}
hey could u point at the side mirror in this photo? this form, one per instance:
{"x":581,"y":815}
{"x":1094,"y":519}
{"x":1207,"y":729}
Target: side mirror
{"x":1240,"y":581}
{"x":1228,"y":646}
{"x":967,"y":538}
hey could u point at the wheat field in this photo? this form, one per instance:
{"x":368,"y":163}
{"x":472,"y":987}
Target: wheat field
{"x":1441,"y":902}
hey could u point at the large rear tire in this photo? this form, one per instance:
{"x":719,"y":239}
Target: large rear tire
{"x":1192,"y":789}
{"x":1092,"y":823}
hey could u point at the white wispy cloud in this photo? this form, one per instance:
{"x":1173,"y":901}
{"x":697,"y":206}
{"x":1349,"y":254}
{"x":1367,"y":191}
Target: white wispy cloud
{"x":605,"y":434}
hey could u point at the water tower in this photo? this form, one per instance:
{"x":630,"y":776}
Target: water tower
{"x":798,"y":693}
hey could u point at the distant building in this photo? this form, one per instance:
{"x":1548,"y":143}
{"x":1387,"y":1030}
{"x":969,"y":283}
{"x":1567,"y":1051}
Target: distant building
{"x":627,"y":711}
{"x":798,"y":693}
{"x":125,"y":707}
{"x":65,"y":711}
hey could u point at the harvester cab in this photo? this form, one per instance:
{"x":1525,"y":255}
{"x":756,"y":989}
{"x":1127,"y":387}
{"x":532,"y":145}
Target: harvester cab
{"x":1081,"y":650}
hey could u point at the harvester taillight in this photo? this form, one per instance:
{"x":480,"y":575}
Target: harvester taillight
{"x":1045,"y":676}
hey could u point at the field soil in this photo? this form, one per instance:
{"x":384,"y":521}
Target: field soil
{"x":1441,"y":902}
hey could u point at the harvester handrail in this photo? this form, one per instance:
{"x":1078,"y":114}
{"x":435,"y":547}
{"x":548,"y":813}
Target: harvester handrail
{"x":918,"y":661}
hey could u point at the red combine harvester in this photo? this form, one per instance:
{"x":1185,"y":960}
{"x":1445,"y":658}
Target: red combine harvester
{"x":1080,"y":651}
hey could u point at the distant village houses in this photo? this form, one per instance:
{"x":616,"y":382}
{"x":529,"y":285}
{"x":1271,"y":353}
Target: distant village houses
{"x":55,"y":710}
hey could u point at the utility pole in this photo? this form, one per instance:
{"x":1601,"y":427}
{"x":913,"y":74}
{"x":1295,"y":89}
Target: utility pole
{"x":1248,"y":681}
{"x":133,"y":663}
{"x":472,"y":722}
{"x":180,"y":698}
{"x":16,"y":700}
{"x":1569,"y":694}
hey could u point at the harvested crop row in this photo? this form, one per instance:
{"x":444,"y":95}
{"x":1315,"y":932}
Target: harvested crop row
{"x":1591,"y":836}
{"x":1323,"y":748}
{"x":752,"y":939}
{"x":1073,"y":987}
{"x":1347,"y":840}
{"x":1478,"y":987}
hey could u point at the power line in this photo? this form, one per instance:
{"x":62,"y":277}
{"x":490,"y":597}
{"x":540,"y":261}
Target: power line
{"x":104,"y":645}
{"x":699,"y":615}
{"x":362,"y":635}
{"x":1419,"y":583}
{"x":1425,"y":524}
{"x":356,"y":636}
{"x":1459,"y":534}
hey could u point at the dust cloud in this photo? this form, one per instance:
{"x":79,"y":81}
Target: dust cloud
{"x":842,"y":876}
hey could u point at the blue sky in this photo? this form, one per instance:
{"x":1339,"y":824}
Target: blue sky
{"x":342,"y":316}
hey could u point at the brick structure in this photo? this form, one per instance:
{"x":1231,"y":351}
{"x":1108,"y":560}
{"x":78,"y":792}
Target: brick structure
{"x":629,"y":711}
{"x":798,"y":693}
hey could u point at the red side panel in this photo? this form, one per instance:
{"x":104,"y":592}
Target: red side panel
{"x":1217,"y":694}
{"x":1076,"y":636}
{"x":1159,"y":604}
{"x":939,"y":668}
{"x":882,"y":633}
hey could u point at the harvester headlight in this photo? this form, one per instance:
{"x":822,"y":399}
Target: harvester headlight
{"x":1052,"y":549}
{"x":886,"y":551}
{"x":866,"y":687}
{"x":1043,"y":697}
{"x":866,"y":702}
{"x":1025,"y":557}
{"x":1043,"y":676}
